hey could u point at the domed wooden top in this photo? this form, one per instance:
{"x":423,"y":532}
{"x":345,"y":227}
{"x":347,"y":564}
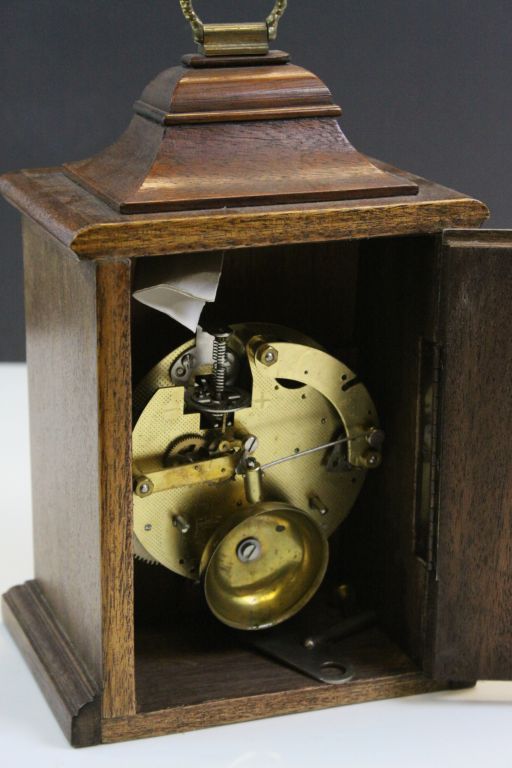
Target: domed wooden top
{"x":222,"y":132}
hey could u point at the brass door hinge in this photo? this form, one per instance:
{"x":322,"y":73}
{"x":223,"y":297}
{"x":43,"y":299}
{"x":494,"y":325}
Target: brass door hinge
{"x":427,"y":452}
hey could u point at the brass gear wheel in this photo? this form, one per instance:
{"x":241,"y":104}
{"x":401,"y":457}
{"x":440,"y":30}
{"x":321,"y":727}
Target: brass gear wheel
{"x":141,"y":553}
{"x":185,"y":449}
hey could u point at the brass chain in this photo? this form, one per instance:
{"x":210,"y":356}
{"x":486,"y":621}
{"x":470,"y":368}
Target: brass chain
{"x":193,"y":19}
{"x":197,"y":25}
{"x":274,"y":17}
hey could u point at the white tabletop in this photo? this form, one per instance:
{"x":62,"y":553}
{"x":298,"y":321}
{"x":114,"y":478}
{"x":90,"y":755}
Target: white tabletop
{"x":459,"y":728}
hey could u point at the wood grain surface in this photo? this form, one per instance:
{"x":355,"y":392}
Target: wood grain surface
{"x":115,"y":486}
{"x":187,"y":680}
{"x":155,"y":169}
{"x":78,"y":352}
{"x":471,"y":589}
{"x":92,"y":229}
{"x":280,"y":196}
{"x":198,"y":60}
{"x":209,"y":714}
{"x":180,"y":668}
{"x":267,"y":135}
{"x":323,"y":309}
{"x":60,"y":303}
{"x":66,"y":684}
{"x":191,"y":94}
{"x":396,"y":304}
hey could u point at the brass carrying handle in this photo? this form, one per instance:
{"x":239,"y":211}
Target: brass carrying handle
{"x":197,"y":25}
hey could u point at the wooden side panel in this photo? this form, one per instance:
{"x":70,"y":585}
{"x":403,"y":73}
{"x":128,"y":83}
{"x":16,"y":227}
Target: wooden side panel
{"x":471,"y":593}
{"x":114,"y":394}
{"x":61,"y":351}
{"x":78,"y":349}
{"x":396,"y":311}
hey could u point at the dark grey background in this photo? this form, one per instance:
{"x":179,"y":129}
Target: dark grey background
{"x":424,"y":84}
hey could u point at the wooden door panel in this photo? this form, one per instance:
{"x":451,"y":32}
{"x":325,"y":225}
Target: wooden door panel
{"x":470,"y":591}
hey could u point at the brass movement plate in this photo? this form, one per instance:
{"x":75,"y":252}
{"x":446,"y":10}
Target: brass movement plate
{"x":285,"y":420}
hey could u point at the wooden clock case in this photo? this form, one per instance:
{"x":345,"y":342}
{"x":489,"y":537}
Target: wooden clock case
{"x":390,"y":272}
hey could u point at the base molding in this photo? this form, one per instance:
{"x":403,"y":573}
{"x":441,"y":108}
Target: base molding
{"x":226,"y":712}
{"x":70,"y":691}
{"x":75,"y":698}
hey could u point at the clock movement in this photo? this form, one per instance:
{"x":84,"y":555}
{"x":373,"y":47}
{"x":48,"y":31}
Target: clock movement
{"x":223,"y":489}
{"x":269,"y":384}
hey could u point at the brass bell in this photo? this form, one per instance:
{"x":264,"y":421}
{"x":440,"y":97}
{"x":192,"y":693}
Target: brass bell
{"x":264,"y":565}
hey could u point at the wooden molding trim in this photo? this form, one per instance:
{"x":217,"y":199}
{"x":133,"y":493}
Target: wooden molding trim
{"x":237,"y":229}
{"x":220,"y":116}
{"x":66,"y":684}
{"x":75,"y":699}
{"x":483,"y":238}
{"x":93,"y":230}
{"x":200,"y":61}
{"x":183,"y":90}
{"x":224,"y":712}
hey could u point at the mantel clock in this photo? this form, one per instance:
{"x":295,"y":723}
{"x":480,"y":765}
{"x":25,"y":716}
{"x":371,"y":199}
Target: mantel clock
{"x":270,"y":409}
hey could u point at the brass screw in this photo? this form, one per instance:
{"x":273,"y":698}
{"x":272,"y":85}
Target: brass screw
{"x":143,"y":487}
{"x":267,"y":355}
{"x":181,"y":523}
{"x":248,"y":550}
{"x":372,"y":459}
{"x":316,"y":504}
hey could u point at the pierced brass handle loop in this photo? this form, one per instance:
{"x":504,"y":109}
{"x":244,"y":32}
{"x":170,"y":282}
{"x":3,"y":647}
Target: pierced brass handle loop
{"x":193,"y":19}
{"x":222,"y":39}
{"x":274,"y":17}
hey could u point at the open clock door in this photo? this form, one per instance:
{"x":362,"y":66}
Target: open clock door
{"x":469,"y":604}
